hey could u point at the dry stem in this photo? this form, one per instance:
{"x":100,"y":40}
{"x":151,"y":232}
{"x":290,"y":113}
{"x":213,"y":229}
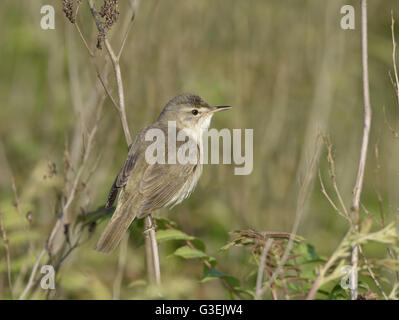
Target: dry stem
{"x":363,"y":152}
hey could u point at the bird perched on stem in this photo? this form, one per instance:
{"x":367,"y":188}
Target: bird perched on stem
{"x":147,"y":185}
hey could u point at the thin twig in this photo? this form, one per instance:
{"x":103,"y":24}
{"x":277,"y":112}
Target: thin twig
{"x":98,"y":73}
{"x":83,"y":39}
{"x":377,"y":283}
{"x":396,"y":84}
{"x":131,"y":20}
{"x":332,"y":171}
{"x":363,"y":152}
{"x":118,"y":77}
{"x":324,"y":191}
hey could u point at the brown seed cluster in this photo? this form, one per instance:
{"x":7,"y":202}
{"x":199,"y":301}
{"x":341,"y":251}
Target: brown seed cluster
{"x":67,"y":7}
{"x":109,"y":12}
{"x":104,"y":18}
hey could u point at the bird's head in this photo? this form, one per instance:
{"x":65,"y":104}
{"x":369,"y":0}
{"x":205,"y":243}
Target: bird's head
{"x":190,"y":112}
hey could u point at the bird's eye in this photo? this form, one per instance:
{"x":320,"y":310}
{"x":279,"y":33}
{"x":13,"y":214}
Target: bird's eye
{"x":194,"y":112}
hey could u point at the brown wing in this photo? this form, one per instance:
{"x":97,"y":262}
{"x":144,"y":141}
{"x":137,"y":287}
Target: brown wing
{"x":123,"y":175}
{"x":161,"y":183}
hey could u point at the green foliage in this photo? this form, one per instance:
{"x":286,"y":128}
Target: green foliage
{"x":195,"y":249}
{"x":172,"y":234}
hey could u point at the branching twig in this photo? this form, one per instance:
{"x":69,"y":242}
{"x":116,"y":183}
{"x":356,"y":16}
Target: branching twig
{"x":99,"y":76}
{"x":63,"y":221}
{"x":331,"y":169}
{"x":117,"y":70}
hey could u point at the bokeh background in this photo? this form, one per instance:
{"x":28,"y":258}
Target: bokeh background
{"x":286,"y":67}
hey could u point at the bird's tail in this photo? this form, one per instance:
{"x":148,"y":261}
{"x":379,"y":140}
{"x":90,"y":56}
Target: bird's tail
{"x":121,"y":219}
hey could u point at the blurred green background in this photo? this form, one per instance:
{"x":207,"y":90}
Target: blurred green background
{"x":286,"y":67}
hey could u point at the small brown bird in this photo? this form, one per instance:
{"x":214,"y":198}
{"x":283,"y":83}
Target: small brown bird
{"x":146,"y":186}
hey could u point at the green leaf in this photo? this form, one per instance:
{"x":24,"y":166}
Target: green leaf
{"x":363,"y":285}
{"x":172,"y":234}
{"x":137,"y":283}
{"x":164,"y":223}
{"x":95,"y":216}
{"x":188,"y":253}
{"x":212,"y":274}
{"x":249,"y":293}
{"x":199,"y":244}
{"x":337,"y":293}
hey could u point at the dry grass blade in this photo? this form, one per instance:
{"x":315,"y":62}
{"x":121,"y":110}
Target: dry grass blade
{"x":357,"y":191}
{"x":395,"y":68}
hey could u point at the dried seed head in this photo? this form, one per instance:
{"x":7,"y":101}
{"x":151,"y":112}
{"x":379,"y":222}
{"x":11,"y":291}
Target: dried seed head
{"x":109,"y":12}
{"x":67,"y":7}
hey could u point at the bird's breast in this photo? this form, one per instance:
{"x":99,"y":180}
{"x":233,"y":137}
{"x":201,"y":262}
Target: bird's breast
{"x":188,"y":186}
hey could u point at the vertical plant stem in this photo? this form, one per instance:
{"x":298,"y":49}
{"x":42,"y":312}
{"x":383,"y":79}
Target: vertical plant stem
{"x":363,"y":152}
{"x":153,"y":267}
{"x":148,"y":252}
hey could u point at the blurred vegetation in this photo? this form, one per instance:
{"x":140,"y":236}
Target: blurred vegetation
{"x":289,"y":71}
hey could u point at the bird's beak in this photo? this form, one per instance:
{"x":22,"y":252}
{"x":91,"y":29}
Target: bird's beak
{"x":218,"y":108}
